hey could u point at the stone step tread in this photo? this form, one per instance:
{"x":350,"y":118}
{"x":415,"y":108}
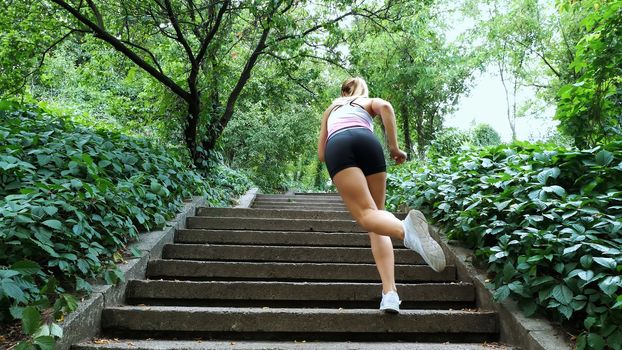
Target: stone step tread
{"x":258,"y":319}
{"x":299,"y":202}
{"x":299,"y":207}
{"x":290,"y":271}
{"x":331,"y":199}
{"x":272,"y":237}
{"x":281,"y":253}
{"x":273,"y":224}
{"x":279,"y":213}
{"x":123,"y":344}
{"x":290,"y":197}
{"x":273,"y":213}
{"x":273,"y":290}
{"x":295,"y":203}
{"x":299,"y":195}
{"x":316,"y":194}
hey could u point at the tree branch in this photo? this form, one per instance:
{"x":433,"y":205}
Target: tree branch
{"x":299,"y":83}
{"x":14,"y":92}
{"x":180,"y":36}
{"x":119,"y":46}
{"x":220,"y":125}
{"x":314,"y":28}
{"x":539,"y":55}
{"x":212,"y":32}
{"x":98,"y":15}
{"x":153,"y":58}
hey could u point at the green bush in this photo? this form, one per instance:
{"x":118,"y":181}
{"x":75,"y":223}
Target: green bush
{"x":225,"y":183}
{"x":547,"y":220}
{"x":72,"y":198}
{"x":448,"y":141}
{"x":485,"y":135}
{"x":589,"y":108}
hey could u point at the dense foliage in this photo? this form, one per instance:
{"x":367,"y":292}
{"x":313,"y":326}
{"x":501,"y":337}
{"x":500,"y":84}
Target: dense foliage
{"x":260,"y":74}
{"x":548,"y":221}
{"x":590,"y":107}
{"x":567,"y":52}
{"x":450,"y":140}
{"x":201,"y":55}
{"x":71,"y":198}
{"x":420,"y":72}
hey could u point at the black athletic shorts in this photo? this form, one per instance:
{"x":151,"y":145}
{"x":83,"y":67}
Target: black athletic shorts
{"x":354,"y":147}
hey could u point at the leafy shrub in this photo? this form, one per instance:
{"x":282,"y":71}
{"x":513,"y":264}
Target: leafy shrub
{"x":71,"y":199}
{"x":547,"y":220}
{"x":451,"y":140}
{"x":589,"y":109}
{"x":448,"y":141}
{"x":485,"y":135}
{"x":224,"y":183}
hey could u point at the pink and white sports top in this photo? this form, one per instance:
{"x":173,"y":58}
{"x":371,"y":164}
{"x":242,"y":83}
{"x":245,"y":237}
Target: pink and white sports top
{"x":349,"y":115}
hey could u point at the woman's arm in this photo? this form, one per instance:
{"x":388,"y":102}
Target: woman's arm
{"x":385,"y":110}
{"x":321,"y":144}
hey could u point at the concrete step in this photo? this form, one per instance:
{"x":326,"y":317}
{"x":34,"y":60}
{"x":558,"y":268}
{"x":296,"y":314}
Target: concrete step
{"x":316,"y":194}
{"x":294,"y":198}
{"x":279,"y":213}
{"x":271,"y":224}
{"x":300,"y":201}
{"x":273,"y":213}
{"x":132,"y":344}
{"x":204,"y":270}
{"x":309,"y":201}
{"x":327,"y":208}
{"x":281,"y":253}
{"x":145,"y":291}
{"x":354,"y":324}
{"x":274,"y":238}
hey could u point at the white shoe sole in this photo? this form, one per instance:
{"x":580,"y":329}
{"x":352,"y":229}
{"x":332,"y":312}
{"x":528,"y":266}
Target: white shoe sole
{"x":390,"y":311}
{"x":432,"y":253}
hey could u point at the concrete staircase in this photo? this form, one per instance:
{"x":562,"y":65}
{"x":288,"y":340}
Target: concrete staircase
{"x":293,"y":272}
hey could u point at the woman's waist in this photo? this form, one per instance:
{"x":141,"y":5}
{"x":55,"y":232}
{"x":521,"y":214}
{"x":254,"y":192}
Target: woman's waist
{"x":337,"y":131}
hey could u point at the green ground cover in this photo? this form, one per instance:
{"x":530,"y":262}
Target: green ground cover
{"x":71,"y":199}
{"x":546,"y":221}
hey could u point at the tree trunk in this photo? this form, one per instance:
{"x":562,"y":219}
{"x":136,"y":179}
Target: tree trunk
{"x":190,"y":131}
{"x":421,"y":147}
{"x":406,"y":127}
{"x":318,"y":174}
{"x":216,"y":127}
{"x":419,"y":128}
{"x":507,"y":100}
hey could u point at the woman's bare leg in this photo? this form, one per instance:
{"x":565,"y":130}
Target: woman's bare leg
{"x":355,"y":193}
{"x":381,"y":246}
{"x":352,"y":186}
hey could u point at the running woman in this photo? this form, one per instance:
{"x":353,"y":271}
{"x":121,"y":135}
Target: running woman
{"x":357,"y":167}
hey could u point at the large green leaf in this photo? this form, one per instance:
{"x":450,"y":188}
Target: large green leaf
{"x":55,"y":224}
{"x":26,"y":267}
{"x":604,"y":158}
{"x":12,"y":290}
{"x":609,"y":285}
{"x":563,"y":294}
{"x":31,"y":320}
{"x":595,"y":341}
{"x":606,"y":262}
{"x":45,"y":342}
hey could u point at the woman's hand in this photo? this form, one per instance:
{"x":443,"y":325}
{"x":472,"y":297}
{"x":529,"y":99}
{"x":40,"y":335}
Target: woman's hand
{"x":398,"y":156}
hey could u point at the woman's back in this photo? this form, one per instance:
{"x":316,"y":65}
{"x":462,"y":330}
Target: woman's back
{"x":349,"y":113}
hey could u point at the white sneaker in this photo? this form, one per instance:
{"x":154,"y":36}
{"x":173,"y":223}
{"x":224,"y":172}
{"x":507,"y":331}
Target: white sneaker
{"x":417,"y":237}
{"x":390,"y":303}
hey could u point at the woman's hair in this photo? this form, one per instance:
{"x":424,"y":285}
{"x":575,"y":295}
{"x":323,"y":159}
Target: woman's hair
{"x":352,"y":87}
